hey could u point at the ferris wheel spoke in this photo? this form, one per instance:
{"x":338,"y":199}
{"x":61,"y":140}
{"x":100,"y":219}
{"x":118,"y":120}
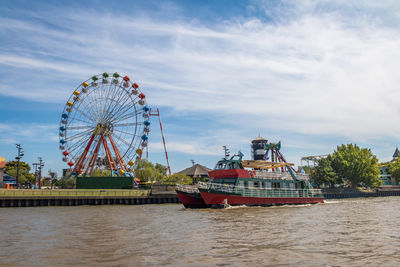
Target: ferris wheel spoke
{"x":128,"y":124}
{"x":123,"y":107}
{"x":126,"y":116}
{"x":112,"y":99}
{"x":77,"y":135}
{"x":125,"y":132}
{"x":84,"y":114}
{"x":88,"y":110}
{"x":79,"y":127}
{"x":78,"y":143}
{"x":113,"y":108}
{"x":122,"y":140}
{"x":86,"y":122}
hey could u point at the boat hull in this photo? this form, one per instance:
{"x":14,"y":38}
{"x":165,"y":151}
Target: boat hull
{"x":220,"y":199}
{"x":191,"y":200}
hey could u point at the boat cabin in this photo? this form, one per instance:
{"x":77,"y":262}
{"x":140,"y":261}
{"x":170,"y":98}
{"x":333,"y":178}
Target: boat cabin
{"x":232,"y":172}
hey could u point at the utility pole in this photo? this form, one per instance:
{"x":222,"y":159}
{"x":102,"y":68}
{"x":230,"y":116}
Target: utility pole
{"x":35,"y":167}
{"x":41,"y":164}
{"x":20,"y":154}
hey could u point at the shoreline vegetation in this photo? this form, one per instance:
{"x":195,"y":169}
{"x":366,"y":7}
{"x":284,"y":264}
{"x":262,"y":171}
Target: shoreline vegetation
{"x":348,"y":166}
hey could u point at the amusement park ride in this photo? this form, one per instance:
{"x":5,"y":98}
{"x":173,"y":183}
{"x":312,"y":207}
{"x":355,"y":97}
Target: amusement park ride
{"x":106,"y":123}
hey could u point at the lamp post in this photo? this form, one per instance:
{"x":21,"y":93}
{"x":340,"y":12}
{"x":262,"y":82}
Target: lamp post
{"x":20,"y":154}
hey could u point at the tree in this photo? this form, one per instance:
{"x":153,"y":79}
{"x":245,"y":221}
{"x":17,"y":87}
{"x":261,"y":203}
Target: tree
{"x":177,"y":178}
{"x":24,"y":175}
{"x":394,"y":168}
{"x":147,"y":172}
{"x":358,"y":167}
{"x":101,"y":173}
{"x":323,"y":173}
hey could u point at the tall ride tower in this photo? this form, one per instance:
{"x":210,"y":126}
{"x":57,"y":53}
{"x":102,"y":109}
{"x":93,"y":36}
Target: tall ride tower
{"x":258,"y":148}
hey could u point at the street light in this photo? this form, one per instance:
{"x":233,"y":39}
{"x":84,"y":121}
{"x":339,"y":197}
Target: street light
{"x":19,"y":156}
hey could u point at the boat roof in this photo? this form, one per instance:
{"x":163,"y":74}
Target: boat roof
{"x":262,"y":164}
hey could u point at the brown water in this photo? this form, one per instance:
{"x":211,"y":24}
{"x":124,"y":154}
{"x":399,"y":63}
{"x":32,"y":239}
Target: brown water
{"x":359,"y":232}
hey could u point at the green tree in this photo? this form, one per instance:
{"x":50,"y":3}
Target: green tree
{"x":101,"y":173}
{"x":24,"y":175}
{"x":323,"y":173}
{"x":394,"y":167}
{"x":146,"y":171}
{"x":177,"y":178}
{"x":357,"y":166}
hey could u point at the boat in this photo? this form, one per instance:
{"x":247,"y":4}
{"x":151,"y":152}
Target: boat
{"x":263,"y":183}
{"x":190,"y":197}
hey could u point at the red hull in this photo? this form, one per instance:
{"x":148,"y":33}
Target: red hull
{"x":191,"y":200}
{"x":214,"y":199}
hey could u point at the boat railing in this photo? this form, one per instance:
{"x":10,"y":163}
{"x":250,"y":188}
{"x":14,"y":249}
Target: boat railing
{"x":188,"y":188}
{"x":263,"y":174}
{"x":265,"y":192}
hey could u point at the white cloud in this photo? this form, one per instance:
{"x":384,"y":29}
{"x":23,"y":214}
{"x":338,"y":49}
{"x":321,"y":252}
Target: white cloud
{"x":318,"y":73}
{"x":27,"y":132}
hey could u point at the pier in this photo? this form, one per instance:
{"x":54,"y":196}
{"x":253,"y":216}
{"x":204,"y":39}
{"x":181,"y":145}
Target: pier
{"x":35,"y":198}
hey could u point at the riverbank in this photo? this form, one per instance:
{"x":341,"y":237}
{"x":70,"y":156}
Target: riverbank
{"x":76,"y":197}
{"x":156,"y":195}
{"x":338,"y":193}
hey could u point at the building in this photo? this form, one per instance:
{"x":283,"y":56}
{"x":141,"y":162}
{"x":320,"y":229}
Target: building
{"x":197,"y":172}
{"x":384,"y":169}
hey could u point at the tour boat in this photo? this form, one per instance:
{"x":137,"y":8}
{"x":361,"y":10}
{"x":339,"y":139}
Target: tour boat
{"x":266,"y":183}
{"x":232,"y":185}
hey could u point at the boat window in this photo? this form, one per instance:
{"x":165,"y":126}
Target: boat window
{"x":229,"y":181}
{"x":268,"y":184}
{"x":240,"y":183}
{"x":236,"y":165}
{"x":263,"y":184}
{"x":276,"y":185}
{"x":256,"y":184}
{"x":251,"y":184}
{"x":228,"y":166}
{"x":246,"y":184}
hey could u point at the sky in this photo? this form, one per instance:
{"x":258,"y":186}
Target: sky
{"x":311,"y":74}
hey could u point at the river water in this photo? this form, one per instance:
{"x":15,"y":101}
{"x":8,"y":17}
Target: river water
{"x":357,"y":232}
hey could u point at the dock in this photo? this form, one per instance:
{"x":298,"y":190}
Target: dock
{"x":76,"y":197}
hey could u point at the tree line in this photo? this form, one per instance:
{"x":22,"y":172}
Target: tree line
{"x":349,"y":165}
{"x":145,"y":171}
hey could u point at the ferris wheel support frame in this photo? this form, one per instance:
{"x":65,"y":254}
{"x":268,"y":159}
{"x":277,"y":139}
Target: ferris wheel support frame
{"x":157,"y":113}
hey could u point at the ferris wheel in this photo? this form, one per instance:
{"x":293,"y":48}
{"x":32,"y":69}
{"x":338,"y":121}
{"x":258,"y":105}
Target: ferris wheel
{"x":105,"y":124}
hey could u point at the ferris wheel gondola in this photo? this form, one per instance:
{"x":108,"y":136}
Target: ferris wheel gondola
{"x":105,"y":119}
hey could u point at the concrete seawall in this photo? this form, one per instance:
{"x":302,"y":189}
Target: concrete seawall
{"x":76,"y":201}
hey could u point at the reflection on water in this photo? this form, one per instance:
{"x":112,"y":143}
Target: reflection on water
{"x":356,"y":232}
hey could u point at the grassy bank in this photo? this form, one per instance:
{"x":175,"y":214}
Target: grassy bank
{"x":72,"y":193}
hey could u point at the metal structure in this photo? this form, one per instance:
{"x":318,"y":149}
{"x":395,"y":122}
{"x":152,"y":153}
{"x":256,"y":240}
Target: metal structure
{"x":258,"y":148}
{"x":20,"y":154}
{"x":105,"y":123}
{"x":274,"y":155}
{"x":313,"y":159}
{"x":157,"y":113}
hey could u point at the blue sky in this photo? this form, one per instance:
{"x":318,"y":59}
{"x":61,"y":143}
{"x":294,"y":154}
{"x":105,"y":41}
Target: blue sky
{"x":312,"y":74}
